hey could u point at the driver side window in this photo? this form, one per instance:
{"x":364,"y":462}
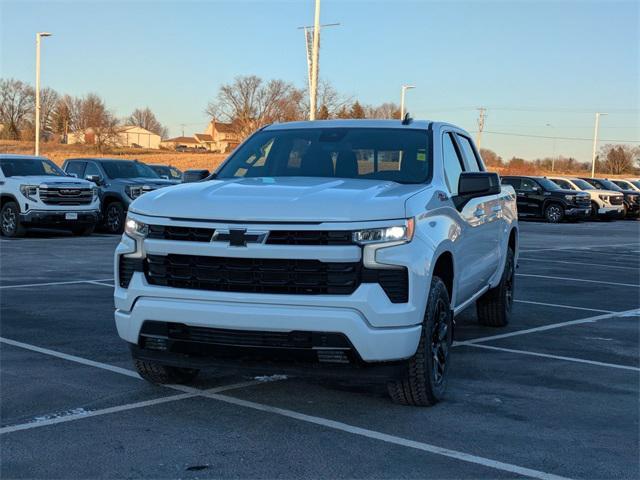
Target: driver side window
{"x":529,"y":185}
{"x":92,"y":169}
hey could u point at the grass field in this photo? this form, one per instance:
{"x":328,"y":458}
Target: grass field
{"x":58,"y":153}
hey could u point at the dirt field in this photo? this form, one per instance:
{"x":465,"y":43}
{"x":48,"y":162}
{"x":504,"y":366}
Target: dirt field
{"x":58,"y":153}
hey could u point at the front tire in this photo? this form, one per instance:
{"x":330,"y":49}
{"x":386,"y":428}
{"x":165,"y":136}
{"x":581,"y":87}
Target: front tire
{"x":114,"y":217}
{"x":10,"y":225}
{"x":494,"y":307}
{"x":554,"y":213}
{"x":162,"y":374}
{"x":425,"y":382}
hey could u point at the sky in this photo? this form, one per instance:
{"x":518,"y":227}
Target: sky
{"x":541,"y":68}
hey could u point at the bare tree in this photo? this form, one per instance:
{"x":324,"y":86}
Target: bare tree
{"x":387,"y":110}
{"x":48,"y":102}
{"x":249,"y":103}
{"x":145,"y":118}
{"x":619,"y":158}
{"x":491,"y":158}
{"x":16,"y":107}
{"x":89,"y":116}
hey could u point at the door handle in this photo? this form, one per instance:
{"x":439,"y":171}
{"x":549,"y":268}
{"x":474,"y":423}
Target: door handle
{"x":479,"y":213}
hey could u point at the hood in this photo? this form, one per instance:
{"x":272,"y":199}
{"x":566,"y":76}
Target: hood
{"x":599,"y":191}
{"x":50,"y":180}
{"x":564,"y":191}
{"x":157,"y":182}
{"x":284,"y":199}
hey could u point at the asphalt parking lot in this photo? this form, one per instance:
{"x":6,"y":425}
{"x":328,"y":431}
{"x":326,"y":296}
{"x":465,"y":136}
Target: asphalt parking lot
{"x":555,"y":394}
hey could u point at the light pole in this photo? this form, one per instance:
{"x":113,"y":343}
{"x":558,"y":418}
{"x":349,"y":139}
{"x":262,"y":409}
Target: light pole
{"x":315,"y":55}
{"x":595,"y":144}
{"x":39,"y":36}
{"x":404,"y":90}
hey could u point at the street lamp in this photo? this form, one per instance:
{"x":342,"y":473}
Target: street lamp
{"x":595,"y":144}
{"x":404,"y":90}
{"x":39,"y":36}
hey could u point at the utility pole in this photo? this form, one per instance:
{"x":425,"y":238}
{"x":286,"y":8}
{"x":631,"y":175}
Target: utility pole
{"x":308,"y":43}
{"x":481,"y":120}
{"x":315,"y":56}
{"x":183,"y":125}
{"x":39,"y":36}
{"x":595,"y":144}
{"x":402,"y":94}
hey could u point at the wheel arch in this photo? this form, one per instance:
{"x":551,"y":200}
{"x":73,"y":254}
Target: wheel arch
{"x":444,"y":268}
{"x":7,"y":197}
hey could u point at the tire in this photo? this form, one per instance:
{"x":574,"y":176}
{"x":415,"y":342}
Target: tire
{"x":163,"y":374}
{"x":83,"y":231}
{"x":494,"y":307}
{"x":554,"y":213}
{"x":425,"y":382}
{"x":594,"y":211}
{"x":114,"y":217}
{"x":10,"y":225}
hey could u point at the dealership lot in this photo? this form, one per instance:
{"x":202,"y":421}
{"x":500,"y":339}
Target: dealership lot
{"x":553,"y":395}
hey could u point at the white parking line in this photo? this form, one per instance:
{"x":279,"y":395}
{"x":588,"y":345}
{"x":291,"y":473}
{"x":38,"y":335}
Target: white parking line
{"x":577,"y":263}
{"x":570,"y":279}
{"x":392,"y":439}
{"x":555,"y":357}
{"x":556,"y":305}
{"x":95,"y":282}
{"x":634,"y":312}
{"x":72,"y":282}
{"x":122,"y":408}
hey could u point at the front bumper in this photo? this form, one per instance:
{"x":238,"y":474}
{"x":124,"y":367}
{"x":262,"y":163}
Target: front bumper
{"x":577,"y":211}
{"x":59,"y":217}
{"x":610,"y":211}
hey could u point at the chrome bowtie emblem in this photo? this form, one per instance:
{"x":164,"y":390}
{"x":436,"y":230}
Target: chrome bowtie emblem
{"x":239,"y":237}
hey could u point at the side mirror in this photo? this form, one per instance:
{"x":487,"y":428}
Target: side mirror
{"x":478,"y":184}
{"x":190,"y":176}
{"x":166,"y":177}
{"x":94,"y":178}
{"x":74,"y":175}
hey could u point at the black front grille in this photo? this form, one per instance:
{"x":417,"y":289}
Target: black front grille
{"x":190,"y":234}
{"x":126,"y":267}
{"x":66,"y":195}
{"x":278,"y":276}
{"x":617,"y":200}
{"x":309,"y":237}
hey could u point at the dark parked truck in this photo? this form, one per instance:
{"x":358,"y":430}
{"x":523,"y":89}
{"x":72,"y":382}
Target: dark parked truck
{"x":342,"y":246}
{"x":541,"y":198}
{"x":34,"y":192}
{"x":119,"y":182}
{"x":631,"y":197}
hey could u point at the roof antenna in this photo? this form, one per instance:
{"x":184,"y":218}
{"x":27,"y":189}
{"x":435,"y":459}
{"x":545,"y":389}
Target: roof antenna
{"x":407,"y":119}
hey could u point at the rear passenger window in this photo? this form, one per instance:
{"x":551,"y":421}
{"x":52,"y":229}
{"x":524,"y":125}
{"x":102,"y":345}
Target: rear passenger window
{"x":452,"y":163}
{"x":76,"y":168}
{"x":528,"y":185}
{"x":471,"y":159}
{"x":514,"y":182}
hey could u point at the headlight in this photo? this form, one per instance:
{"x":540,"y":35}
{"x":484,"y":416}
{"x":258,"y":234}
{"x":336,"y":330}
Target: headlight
{"x":397,"y":233}
{"x":570,"y":198}
{"x":29,"y":191}
{"x":136,"y":190}
{"x":135,"y":229}
{"x":604,"y":198}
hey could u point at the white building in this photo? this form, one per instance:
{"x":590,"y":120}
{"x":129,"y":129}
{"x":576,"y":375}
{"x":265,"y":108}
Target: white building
{"x":127,"y":136}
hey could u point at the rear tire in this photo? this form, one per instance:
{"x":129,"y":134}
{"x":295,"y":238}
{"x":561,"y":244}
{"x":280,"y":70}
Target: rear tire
{"x":163,"y":374}
{"x":425,"y":382}
{"x":494,"y":307}
{"x":114,"y":217}
{"x":554,"y":213}
{"x":10,"y":225}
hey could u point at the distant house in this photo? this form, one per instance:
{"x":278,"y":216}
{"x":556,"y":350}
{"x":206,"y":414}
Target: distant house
{"x":126,"y":136}
{"x":219,"y":137}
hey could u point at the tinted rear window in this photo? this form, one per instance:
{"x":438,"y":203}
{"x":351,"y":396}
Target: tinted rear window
{"x":25,"y":167}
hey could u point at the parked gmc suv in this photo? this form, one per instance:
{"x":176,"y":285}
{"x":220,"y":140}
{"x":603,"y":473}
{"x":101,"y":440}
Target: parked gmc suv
{"x":34,"y":192}
{"x":345,"y":246}
{"x":542,"y":198}
{"x":631,"y":197}
{"x":605,"y":204}
{"x":119,"y":182}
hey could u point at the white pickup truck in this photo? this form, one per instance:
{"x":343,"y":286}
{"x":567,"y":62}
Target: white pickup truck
{"x":341,"y":246}
{"x":34,"y":192}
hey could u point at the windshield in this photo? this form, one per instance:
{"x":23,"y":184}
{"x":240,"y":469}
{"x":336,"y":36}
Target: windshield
{"x":364,"y":153}
{"x":169,"y":172}
{"x":636,"y":183}
{"x":609,"y":185}
{"x":548,"y":184}
{"x":624,"y":184}
{"x":127,"y":169}
{"x":582,"y":185}
{"x":26,"y":167}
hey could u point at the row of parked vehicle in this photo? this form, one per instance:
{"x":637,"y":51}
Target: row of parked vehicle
{"x":83,"y":194}
{"x":557,"y":198}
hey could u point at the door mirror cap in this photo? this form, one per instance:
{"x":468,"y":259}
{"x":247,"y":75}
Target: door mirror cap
{"x":195,"y":175}
{"x":478,"y":184}
{"x":94,"y":178}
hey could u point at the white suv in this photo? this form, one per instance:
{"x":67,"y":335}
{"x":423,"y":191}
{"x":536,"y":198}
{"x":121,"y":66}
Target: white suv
{"x":36,"y":193}
{"x":347,"y":244}
{"x":604,"y":203}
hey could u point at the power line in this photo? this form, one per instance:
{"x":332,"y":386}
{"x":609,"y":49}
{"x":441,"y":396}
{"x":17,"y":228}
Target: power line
{"x":560,"y":138}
